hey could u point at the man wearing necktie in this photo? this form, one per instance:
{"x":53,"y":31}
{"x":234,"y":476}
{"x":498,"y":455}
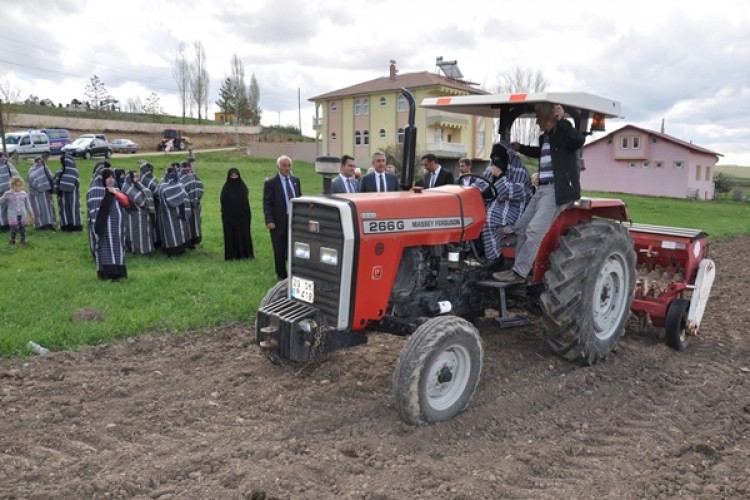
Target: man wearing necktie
{"x":438,"y":175}
{"x":345,"y":181}
{"x":277,"y":194}
{"x":379,"y":181}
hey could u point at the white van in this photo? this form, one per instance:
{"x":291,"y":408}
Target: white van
{"x":30,"y":143}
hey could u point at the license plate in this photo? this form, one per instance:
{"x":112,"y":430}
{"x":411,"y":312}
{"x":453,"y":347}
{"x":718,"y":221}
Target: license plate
{"x":303,"y":289}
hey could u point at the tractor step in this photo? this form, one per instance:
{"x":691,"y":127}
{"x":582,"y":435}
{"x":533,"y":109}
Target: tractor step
{"x":504,"y":320}
{"x":510,"y":321}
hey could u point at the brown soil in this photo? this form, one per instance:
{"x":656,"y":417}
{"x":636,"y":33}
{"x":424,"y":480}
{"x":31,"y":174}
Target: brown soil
{"x":206,"y":416}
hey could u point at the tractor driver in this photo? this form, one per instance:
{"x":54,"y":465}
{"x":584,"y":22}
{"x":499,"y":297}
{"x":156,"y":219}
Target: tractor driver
{"x":557,"y":186}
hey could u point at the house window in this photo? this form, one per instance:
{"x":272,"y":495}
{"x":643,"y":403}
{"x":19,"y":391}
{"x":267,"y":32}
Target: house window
{"x":365,"y":106}
{"x":636,"y":143}
{"x":400,"y":137}
{"x":624,"y":143}
{"x":357,"y":138}
{"x":333,"y":136}
{"x":357,"y":107}
{"x":401,"y":104}
{"x":450,"y":138}
{"x":334,"y":107}
{"x":631,"y":164}
{"x":480,"y":139}
{"x":382,"y":133}
{"x":659,"y":164}
{"x":645,"y":164}
{"x":678,"y":164}
{"x":366,"y":137}
{"x":708,"y":173}
{"x":697,"y":172}
{"x":382,"y":102}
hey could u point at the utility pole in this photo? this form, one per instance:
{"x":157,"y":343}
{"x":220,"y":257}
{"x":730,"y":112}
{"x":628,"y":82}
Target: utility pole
{"x":299,"y":111}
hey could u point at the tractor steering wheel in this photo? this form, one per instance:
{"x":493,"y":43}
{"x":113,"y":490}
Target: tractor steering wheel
{"x":488,"y":191}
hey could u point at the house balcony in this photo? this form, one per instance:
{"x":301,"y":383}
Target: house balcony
{"x":443,"y":119}
{"x":317,"y":124}
{"x":444,"y":149}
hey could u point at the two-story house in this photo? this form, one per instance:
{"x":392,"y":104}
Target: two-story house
{"x":371,"y":116}
{"x":640,"y":161}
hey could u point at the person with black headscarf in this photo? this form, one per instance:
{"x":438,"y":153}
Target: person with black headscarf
{"x":174,"y":214}
{"x":106,"y":209}
{"x":67,"y":183}
{"x":236,"y":217}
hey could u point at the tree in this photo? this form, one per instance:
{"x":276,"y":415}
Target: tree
{"x":523,"y":80}
{"x":722,"y":183}
{"x":153,"y":105}
{"x":134,"y":105}
{"x":253,"y":97}
{"x":199,"y":81}
{"x":181,"y":75}
{"x":8,"y":95}
{"x":97,"y":92}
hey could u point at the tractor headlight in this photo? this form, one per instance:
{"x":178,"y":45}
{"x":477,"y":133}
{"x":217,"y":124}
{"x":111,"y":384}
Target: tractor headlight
{"x":329,"y":256}
{"x":302,"y":250}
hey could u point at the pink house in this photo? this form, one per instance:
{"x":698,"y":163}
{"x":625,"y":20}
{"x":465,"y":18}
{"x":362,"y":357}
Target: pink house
{"x":638,"y":161}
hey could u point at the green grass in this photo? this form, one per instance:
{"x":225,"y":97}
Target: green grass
{"x":47,"y":282}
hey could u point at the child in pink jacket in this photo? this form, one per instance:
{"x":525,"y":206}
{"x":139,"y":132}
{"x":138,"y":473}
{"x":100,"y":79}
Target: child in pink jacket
{"x":18,"y":208}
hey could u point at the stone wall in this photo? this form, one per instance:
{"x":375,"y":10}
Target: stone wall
{"x":297,"y":151}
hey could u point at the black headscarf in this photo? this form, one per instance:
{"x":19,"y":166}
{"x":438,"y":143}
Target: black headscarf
{"x":234,"y":194}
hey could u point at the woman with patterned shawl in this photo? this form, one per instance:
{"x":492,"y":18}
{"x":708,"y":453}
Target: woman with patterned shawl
{"x":174,"y":214}
{"x":148,"y":180}
{"x":41,"y":186}
{"x":194,"y":188}
{"x":68,"y":197}
{"x":139,"y":230}
{"x":106,"y":206}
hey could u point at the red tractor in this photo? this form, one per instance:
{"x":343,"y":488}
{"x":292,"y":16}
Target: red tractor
{"x":173,"y":140}
{"x":407,"y":263}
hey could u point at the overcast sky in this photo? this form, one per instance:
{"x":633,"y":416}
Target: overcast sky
{"x":685,"y":62}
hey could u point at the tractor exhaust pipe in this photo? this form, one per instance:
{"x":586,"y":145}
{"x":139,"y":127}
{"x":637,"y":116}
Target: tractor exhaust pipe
{"x":410,"y":144}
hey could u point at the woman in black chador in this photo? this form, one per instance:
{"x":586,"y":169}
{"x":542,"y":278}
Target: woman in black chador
{"x":235,"y":218}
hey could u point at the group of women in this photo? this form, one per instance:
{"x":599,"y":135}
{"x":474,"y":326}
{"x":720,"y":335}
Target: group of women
{"x":133,"y":212}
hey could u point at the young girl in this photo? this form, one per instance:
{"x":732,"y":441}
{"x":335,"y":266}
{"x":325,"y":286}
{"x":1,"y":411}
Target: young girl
{"x":17,"y":205}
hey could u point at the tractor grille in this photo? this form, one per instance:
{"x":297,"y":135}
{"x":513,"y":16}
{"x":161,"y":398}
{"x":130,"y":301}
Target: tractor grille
{"x":306,"y":217}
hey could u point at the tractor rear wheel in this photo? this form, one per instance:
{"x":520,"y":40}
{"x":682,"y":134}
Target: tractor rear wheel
{"x":674,"y":325}
{"x":438,"y":370}
{"x":276,"y":292}
{"x":588,"y":291}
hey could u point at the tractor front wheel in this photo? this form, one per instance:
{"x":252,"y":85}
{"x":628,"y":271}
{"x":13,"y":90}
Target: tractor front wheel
{"x":674,"y":325}
{"x":438,"y":370}
{"x":589,"y":288}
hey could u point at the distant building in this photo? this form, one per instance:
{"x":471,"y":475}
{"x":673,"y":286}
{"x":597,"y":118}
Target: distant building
{"x":370,"y":116}
{"x":638,"y":161}
{"x":224,"y":117}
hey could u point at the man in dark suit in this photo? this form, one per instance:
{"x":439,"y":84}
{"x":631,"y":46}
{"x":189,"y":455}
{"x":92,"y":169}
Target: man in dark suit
{"x":379,"y":180}
{"x":464,"y":167}
{"x":277,"y":194}
{"x":438,"y":175}
{"x":345,"y":181}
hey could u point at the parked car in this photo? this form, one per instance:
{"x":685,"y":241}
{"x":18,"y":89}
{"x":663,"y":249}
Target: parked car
{"x":27,"y":144}
{"x":124,"y":146}
{"x":87,"y":146}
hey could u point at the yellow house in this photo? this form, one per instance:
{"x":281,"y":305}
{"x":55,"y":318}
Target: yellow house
{"x":371,"y":116}
{"x":224,"y":117}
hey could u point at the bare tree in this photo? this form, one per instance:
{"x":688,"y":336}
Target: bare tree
{"x":181,"y":75}
{"x":199,"y":81}
{"x":253,"y":97}
{"x":153,"y":105}
{"x":520,"y":80}
{"x":97,"y":92}
{"x":134,"y":105}
{"x":9,"y":96}
{"x":238,"y":97}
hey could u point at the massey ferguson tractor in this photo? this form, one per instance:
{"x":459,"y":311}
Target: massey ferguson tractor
{"x":408,"y":263}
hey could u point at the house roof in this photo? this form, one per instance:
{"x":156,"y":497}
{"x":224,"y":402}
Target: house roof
{"x":661,"y":135}
{"x":407,"y":80}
